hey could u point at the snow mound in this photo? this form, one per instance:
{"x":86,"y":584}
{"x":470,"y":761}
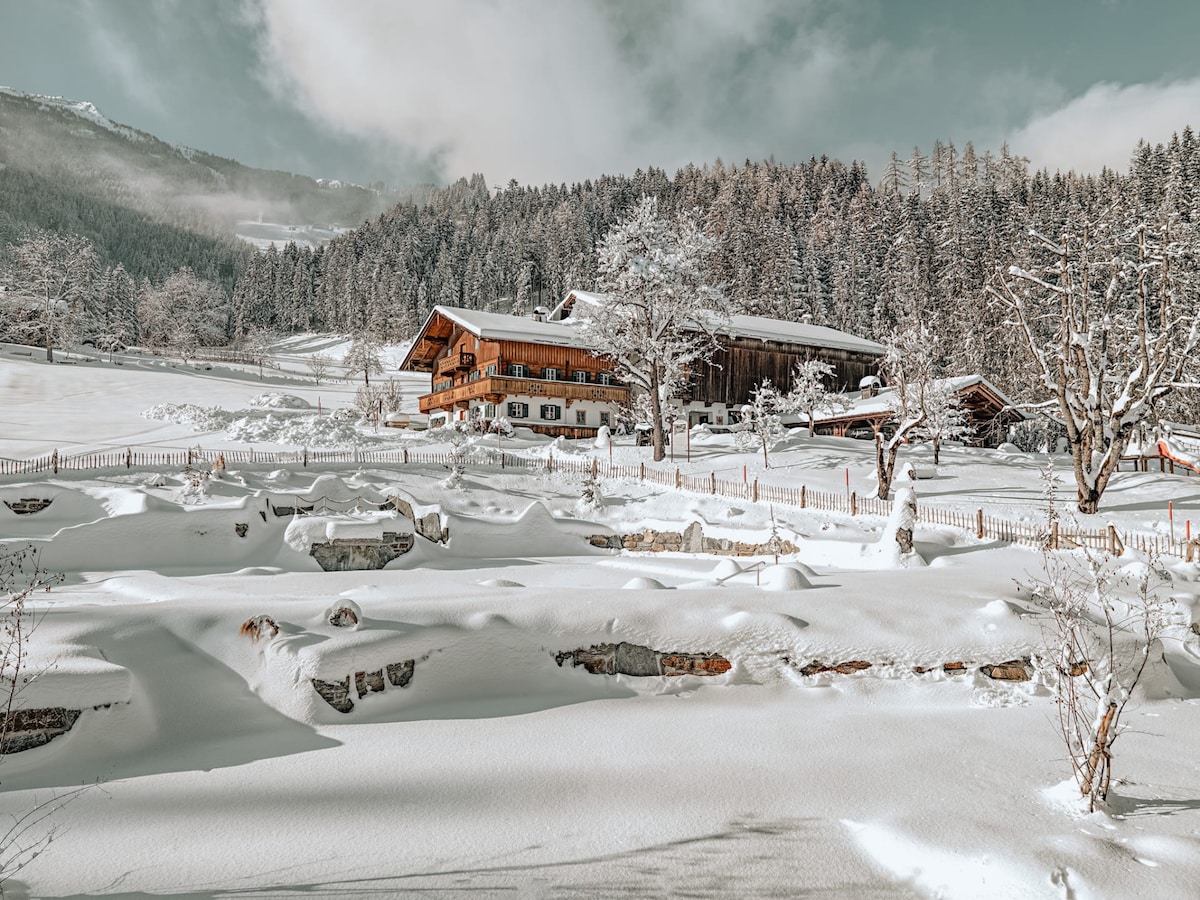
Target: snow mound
{"x":642,"y":583}
{"x":199,"y":418}
{"x":280,"y":401}
{"x":726,"y":568}
{"x":783,"y":578}
{"x":500,"y":583}
{"x":298,"y":431}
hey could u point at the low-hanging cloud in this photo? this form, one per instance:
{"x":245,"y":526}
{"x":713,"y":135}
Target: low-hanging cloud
{"x":1102,"y":126}
{"x":565,"y":90}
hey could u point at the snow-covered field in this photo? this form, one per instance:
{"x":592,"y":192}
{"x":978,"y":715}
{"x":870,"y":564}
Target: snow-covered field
{"x":218,"y":770}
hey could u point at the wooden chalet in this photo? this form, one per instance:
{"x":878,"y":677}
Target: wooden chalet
{"x":538,"y":372}
{"x":533,"y":372}
{"x":989,"y":411}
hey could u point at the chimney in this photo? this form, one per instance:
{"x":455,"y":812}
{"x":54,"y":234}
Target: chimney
{"x":539,"y":313}
{"x":869,"y":386}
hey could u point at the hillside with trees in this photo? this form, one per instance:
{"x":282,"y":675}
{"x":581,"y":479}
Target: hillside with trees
{"x":816,"y":239}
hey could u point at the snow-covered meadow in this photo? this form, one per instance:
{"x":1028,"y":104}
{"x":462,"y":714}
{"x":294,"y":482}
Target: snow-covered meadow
{"x":500,"y":768}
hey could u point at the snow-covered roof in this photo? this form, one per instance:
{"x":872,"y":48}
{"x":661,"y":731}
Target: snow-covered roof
{"x":855,"y":406}
{"x":742,"y":326}
{"x":501,"y":327}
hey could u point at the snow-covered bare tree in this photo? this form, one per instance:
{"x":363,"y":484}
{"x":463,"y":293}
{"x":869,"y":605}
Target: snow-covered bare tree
{"x":661,"y":314}
{"x":50,"y":279}
{"x":809,"y":395}
{"x":761,"y":424}
{"x":1111,"y":323}
{"x":363,"y":356}
{"x":319,"y":365}
{"x":1105,"y":626}
{"x":260,"y":345}
{"x":907,"y":365}
{"x":183,"y":313}
{"x":945,"y":418}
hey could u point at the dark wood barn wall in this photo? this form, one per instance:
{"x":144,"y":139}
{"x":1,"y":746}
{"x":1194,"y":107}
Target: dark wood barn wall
{"x":743,"y":363}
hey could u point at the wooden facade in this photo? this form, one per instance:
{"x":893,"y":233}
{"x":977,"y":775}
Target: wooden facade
{"x":470,"y":372}
{"x":742,"y":363}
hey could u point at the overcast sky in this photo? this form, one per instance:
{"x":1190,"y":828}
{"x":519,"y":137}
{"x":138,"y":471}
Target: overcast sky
{"x":562,"y":90}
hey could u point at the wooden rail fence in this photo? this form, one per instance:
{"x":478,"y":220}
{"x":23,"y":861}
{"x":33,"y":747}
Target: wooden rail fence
{"x":1048,"y":535}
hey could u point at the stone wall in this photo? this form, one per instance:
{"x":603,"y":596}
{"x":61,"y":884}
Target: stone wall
{"x":634,"y":659}
{"x":27,"y":506}
{"x":355,"y":554}
{"x":25,"y":729}
{"x":691,"y":540}
{"x":337,"y":693}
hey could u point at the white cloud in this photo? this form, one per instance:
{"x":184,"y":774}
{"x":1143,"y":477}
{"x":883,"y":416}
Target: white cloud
{"x":560,"y":91}
{"x":1102,"y":126}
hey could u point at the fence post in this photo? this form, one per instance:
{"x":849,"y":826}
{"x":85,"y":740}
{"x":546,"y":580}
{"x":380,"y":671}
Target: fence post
{"x":1054,"y":535}
{"x":54,"y":461}
{"x":128,"y":458}
{"x":854,"y":503}
{"x":755,"y":490}
{"x":979,"y":523}
{"x":803,"y":498}
{"x":678,"y":480}
{"x":1112,"y":539}
{"x":713,"y":477}
{"x":642,"y":472}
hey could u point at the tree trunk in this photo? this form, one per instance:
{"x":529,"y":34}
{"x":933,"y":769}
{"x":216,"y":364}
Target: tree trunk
{"x":937,"y":451}
{"x":656,"y":422}
{"x":766,"y":462}
{"x":885,"y":466}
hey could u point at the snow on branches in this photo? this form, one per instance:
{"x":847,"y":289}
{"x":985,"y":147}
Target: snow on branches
{"x":661,"y":315}
{"x":1110,"y":321}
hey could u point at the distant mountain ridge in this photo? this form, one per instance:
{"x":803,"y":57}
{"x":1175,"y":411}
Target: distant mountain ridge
{"x":150,"y":205}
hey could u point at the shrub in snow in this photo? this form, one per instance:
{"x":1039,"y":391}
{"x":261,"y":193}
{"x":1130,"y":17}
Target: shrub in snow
{"x":259,"y":627}
{"x":456,"y":459}
{"x":897,"y":535}
{"x":590,"y":496}
{"x":1104,"y":628}
{"x":195,"y":486}
{"x":603,"y":438}
{"x":280,"y":401}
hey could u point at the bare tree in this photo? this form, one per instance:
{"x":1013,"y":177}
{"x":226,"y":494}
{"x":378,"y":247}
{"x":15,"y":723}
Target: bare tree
{"x":907,"y":365}
{"x":1111,"y":322}
{"x":1103,"y":628}
{"x":182,"y":314}
{"x":51,"y":277}
{"x":319,"y":365}
{"x":260,"y":344}
{"x":363,"y":356}
{"x":661,"y":313}
{"x":761,"y":424}
{"x":21,"y":574}
{"x":945,"y":418}
{"x":809,"y":394}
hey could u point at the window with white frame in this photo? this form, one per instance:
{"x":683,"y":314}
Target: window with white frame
{"x":551,"y":374}
{"x":551,"y":413}
{"x":489,"y":410}
{"x":604,"y":378}
{"x":490,"y":370}
{"x":580,"y":376}
{"x":518,"y":370}
{"x":581,"y":417}
{"x":518,"y":410}
{"x":604,"y":418}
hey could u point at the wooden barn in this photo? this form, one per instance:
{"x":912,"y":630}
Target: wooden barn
{"x":989,"y":411}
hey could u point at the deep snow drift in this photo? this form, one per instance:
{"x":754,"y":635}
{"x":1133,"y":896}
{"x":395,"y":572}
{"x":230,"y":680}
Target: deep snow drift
{"x":476,"y":758}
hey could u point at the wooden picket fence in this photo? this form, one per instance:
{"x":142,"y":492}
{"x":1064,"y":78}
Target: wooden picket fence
{"x":984,"y":527}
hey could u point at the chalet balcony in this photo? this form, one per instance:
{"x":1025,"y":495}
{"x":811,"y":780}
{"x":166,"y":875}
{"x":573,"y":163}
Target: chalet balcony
{"x":456,"y":362}
{"x":494,"y":388}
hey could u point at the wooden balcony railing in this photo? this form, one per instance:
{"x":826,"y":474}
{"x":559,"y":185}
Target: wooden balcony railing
{"x":456,"y":362}
{"x":495,"y":388}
